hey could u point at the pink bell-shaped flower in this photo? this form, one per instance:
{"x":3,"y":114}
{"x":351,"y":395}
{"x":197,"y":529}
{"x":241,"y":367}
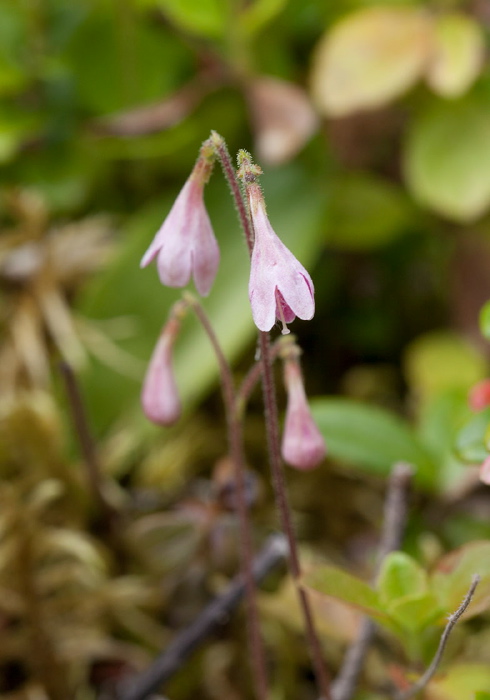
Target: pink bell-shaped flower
{"x":185,"y":244}
{"x":303,"y":445}
{"x":279,"y":287}
{"x":159,"y":397}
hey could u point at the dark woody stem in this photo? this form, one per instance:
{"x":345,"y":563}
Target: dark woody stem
{"x":235,"y":443}
{"x":248,"y":174}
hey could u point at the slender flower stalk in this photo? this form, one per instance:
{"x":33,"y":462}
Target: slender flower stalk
{"x":235,"y":443}
{"x":185,"y":244}
{"x":248,"y":174}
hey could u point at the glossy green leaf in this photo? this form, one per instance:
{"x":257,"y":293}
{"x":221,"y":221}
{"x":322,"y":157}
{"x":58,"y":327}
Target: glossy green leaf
{"x":452,"y":577}
{"x":415,"y":612}
{"x":369,"y":437}
{"x":446,"y":156}
{"x":336,"y":583}
{"x":400,"y":576}
{"x":471,"y":441}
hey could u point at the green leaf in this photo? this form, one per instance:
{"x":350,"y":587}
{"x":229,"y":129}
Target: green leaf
{"x":485,"y":320}
{"x":446,"y":158}
{"x":482,"y":695}
{"x":370,"y":437}
{"x":440,"y":361}
{"x":370,"y":57}
{"x":453,"y":575}
{"x":415,"y":612}
{"x":258,"y":14}
{"x":207,"y":18}
{"x":458,"y":54}
{"x":400,"y":576}
{"x":366,"y":212}
{"x":471,"y":443}
{"x":336,"y":583}
{"x":460,"y":682}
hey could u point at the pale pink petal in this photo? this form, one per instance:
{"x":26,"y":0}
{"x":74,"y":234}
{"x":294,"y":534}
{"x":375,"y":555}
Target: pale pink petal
{"x":159,"y":397}
{"x":485,"y":472}
{"x":303,"y":445}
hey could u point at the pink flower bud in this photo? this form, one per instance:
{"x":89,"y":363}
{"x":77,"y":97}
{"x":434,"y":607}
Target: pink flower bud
{"x":479,"y":396}
{"x":279,"y":286}
{"x":303,"y":445}
{"x":485,"y":471}
{"x":185,"y":244}
{"x":159,"y":397}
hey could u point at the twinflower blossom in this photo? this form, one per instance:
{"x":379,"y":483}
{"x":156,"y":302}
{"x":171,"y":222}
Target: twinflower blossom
{"x":303,"y":445}
{"x":479,"y":396}
{"x":185,"y":244}
{"x":279,"y":287}
{"x":159,"y":397}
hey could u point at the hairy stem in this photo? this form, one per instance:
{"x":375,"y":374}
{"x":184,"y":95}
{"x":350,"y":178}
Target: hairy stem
{"x":279,"y":485}
{"x":235,"y":442}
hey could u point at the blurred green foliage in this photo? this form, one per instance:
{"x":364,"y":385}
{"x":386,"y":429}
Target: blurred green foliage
{"x":370,"y":121}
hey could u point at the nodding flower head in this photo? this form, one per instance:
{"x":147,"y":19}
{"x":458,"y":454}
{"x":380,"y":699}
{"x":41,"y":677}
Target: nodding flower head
{"x":159,"y":397}
{"x":280,"y":287}
{"x":303,"y":445}
{"x":185,"y":244}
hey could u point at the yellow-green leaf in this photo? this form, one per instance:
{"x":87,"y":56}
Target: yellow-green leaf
{"x":369,"y":58}
{"x":458,"y":54}
{"x":447,"y":155}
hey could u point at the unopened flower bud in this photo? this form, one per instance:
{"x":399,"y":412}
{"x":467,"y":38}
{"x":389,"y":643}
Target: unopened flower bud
{"x":185,"y":244}
{"x":303,"y":445}
{"x":159,"y":397}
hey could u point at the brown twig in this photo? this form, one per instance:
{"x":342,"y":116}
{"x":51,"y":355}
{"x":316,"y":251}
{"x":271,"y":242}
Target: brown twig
{"x":85,"y":439}
{"x":394,"y":520}
{"x":214,"y":615}
{"x":452,"y":621}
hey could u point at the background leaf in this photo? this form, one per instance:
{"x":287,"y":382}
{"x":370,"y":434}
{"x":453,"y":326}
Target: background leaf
{"x":447,"y":149}
{"x":370,"y":437}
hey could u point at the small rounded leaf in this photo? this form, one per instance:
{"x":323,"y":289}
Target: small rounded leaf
{"x":369,"y":58}
{"x":458,"y":53}
{"x":447,"y":155}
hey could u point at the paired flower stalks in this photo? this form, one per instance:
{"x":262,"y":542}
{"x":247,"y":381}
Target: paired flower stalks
{"x":280,"y":289}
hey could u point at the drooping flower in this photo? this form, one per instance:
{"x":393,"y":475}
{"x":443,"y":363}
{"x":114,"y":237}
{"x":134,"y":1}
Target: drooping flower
{"x":279,"y":287}
{"x":159,"y":397}
{"x":185,"y":244}
{"x":303,"y":445}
